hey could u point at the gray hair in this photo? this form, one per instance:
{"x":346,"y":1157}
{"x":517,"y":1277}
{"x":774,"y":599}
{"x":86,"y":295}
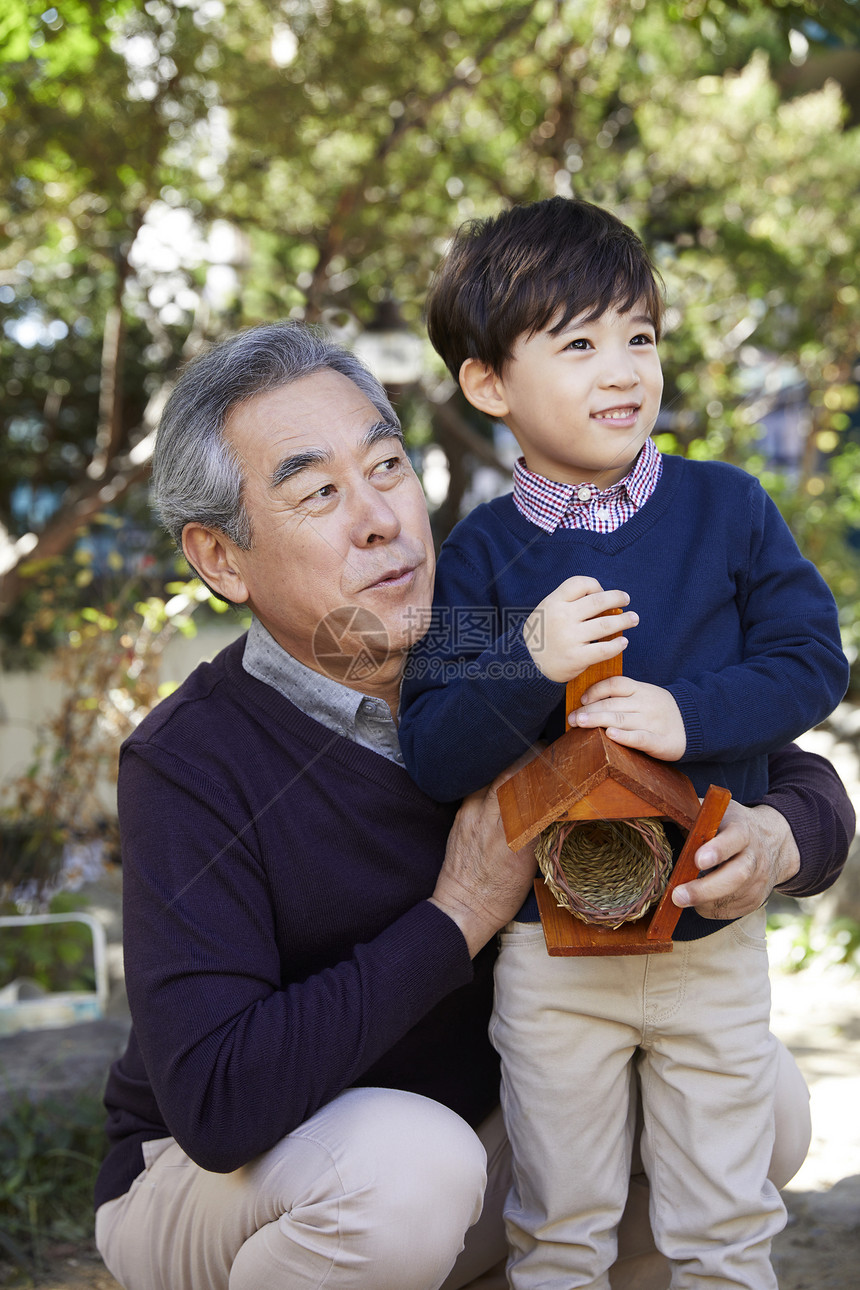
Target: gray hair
{"x":196,"y":476}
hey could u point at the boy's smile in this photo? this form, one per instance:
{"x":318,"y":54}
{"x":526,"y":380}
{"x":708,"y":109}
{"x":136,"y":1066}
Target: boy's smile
{"x":580,"y":403}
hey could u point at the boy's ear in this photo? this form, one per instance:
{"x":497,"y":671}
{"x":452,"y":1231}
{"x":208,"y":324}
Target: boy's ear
{"x":483,"y":388}
{"x":213,"y":557}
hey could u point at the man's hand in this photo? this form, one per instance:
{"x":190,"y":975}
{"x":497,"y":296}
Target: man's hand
{"x":753,"y":852}
{"x":482,"y":882}
{"x":635,"y":714}
{"x":565,"y":633}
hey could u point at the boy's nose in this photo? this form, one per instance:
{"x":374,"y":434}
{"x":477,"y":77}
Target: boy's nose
{"x":620,"y":373}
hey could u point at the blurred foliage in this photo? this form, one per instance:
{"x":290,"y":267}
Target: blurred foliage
{"x":107,"y":661}
{"x":174,"y":169}
{"x":50,"y":1152}
{"x":798,"y":941}
{"x":116,"y":561}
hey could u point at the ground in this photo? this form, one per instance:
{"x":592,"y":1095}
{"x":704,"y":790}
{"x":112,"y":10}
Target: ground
{"x":817,"y":1013}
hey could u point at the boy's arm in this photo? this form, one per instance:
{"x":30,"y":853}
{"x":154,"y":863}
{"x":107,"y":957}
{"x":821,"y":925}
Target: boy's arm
{"x":793,"y":675}
{"x":636,"y":714}
{"x":472,"y":699}
{"x":480,"y":687}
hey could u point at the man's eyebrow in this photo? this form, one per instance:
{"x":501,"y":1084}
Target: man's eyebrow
{"x":382,"y":430}
{"x":299,"y":461}
{"x":294,"y":465}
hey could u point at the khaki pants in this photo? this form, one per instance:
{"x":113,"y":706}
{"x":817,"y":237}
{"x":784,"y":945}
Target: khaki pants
{"x":380,"y":1189}
{"x":377,"y":1190}
{"x":693,"y":1025}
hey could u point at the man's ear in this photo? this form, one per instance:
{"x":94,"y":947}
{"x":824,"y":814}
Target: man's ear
{"x":483,"y":388}
{"x":213,"y":557}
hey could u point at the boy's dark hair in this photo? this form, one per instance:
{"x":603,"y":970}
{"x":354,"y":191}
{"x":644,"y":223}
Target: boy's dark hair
{"x":513,"y":274}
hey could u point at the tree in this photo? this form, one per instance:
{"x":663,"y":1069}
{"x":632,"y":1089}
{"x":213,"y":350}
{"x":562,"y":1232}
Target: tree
{"x":86,"y":131}
{"x":176,"y":168}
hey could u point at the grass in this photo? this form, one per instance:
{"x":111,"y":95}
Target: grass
{"x":50,"y":1152}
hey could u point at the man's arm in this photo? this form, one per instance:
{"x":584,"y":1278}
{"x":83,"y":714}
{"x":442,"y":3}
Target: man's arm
{"x":796,"y":840}
{"x":245,"y":1027}
{"x":807,"y":791}
{"x":240,"y":1048}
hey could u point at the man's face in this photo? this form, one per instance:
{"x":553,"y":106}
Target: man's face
{"x":582,"y":403}
{"x":339,"y":523}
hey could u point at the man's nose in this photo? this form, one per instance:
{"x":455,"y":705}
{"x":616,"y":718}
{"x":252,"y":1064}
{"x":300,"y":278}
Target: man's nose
{"x":373,"y":518}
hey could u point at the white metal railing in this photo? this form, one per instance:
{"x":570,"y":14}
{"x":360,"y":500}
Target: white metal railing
{"x":54,"y":1008}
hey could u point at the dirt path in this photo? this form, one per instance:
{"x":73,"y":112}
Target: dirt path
{"x":68,"y":1267}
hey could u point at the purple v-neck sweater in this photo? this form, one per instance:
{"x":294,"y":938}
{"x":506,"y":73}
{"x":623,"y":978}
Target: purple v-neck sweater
{"x":279,"y":945}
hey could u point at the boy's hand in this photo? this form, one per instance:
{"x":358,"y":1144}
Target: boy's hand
{"x":635,"y":714}
{"x":565,"y":634}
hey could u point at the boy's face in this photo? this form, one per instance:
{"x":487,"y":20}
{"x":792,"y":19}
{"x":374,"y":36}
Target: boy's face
{"x":582,"y":403}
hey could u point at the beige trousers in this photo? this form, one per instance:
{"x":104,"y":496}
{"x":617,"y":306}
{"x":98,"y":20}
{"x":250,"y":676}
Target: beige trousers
{"x":377,"y":1190}
{"x":575,"y":1037}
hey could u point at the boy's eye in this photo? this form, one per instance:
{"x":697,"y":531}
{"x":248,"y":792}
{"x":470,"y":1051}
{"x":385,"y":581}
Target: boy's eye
{"x":642,"y":339}
{"x":580,"y":343}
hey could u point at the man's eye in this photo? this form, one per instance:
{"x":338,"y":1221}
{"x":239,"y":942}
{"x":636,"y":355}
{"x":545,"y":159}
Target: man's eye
{"x":326,"y":490}
{"x":388,"y":466}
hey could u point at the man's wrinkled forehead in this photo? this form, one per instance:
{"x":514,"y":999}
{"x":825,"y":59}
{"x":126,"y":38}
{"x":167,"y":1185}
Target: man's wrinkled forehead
{"x":305,"y":422}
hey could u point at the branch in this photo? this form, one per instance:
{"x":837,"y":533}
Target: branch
{"x":63,"y":526}
{"x":80,"y":505}
{"x":449,"y":421}
{"x":109,"y":435}
{"x":349,"y":196}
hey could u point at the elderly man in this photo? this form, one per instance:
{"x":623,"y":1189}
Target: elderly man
{"x":309,"y":1096}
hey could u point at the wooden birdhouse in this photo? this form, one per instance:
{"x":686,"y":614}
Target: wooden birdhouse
{"x":585,"y":776}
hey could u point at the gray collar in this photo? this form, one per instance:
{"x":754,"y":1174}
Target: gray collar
{"x":365,"y":720}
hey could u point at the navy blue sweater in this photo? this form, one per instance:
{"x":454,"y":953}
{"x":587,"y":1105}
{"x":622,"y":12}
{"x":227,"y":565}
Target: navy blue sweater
{"x":733,"y":621}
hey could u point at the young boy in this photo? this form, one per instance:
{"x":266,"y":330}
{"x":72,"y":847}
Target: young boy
{"x":549,"y":317}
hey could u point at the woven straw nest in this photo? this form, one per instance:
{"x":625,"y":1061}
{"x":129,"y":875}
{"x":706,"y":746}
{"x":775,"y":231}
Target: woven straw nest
{"x":605,"y":871}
